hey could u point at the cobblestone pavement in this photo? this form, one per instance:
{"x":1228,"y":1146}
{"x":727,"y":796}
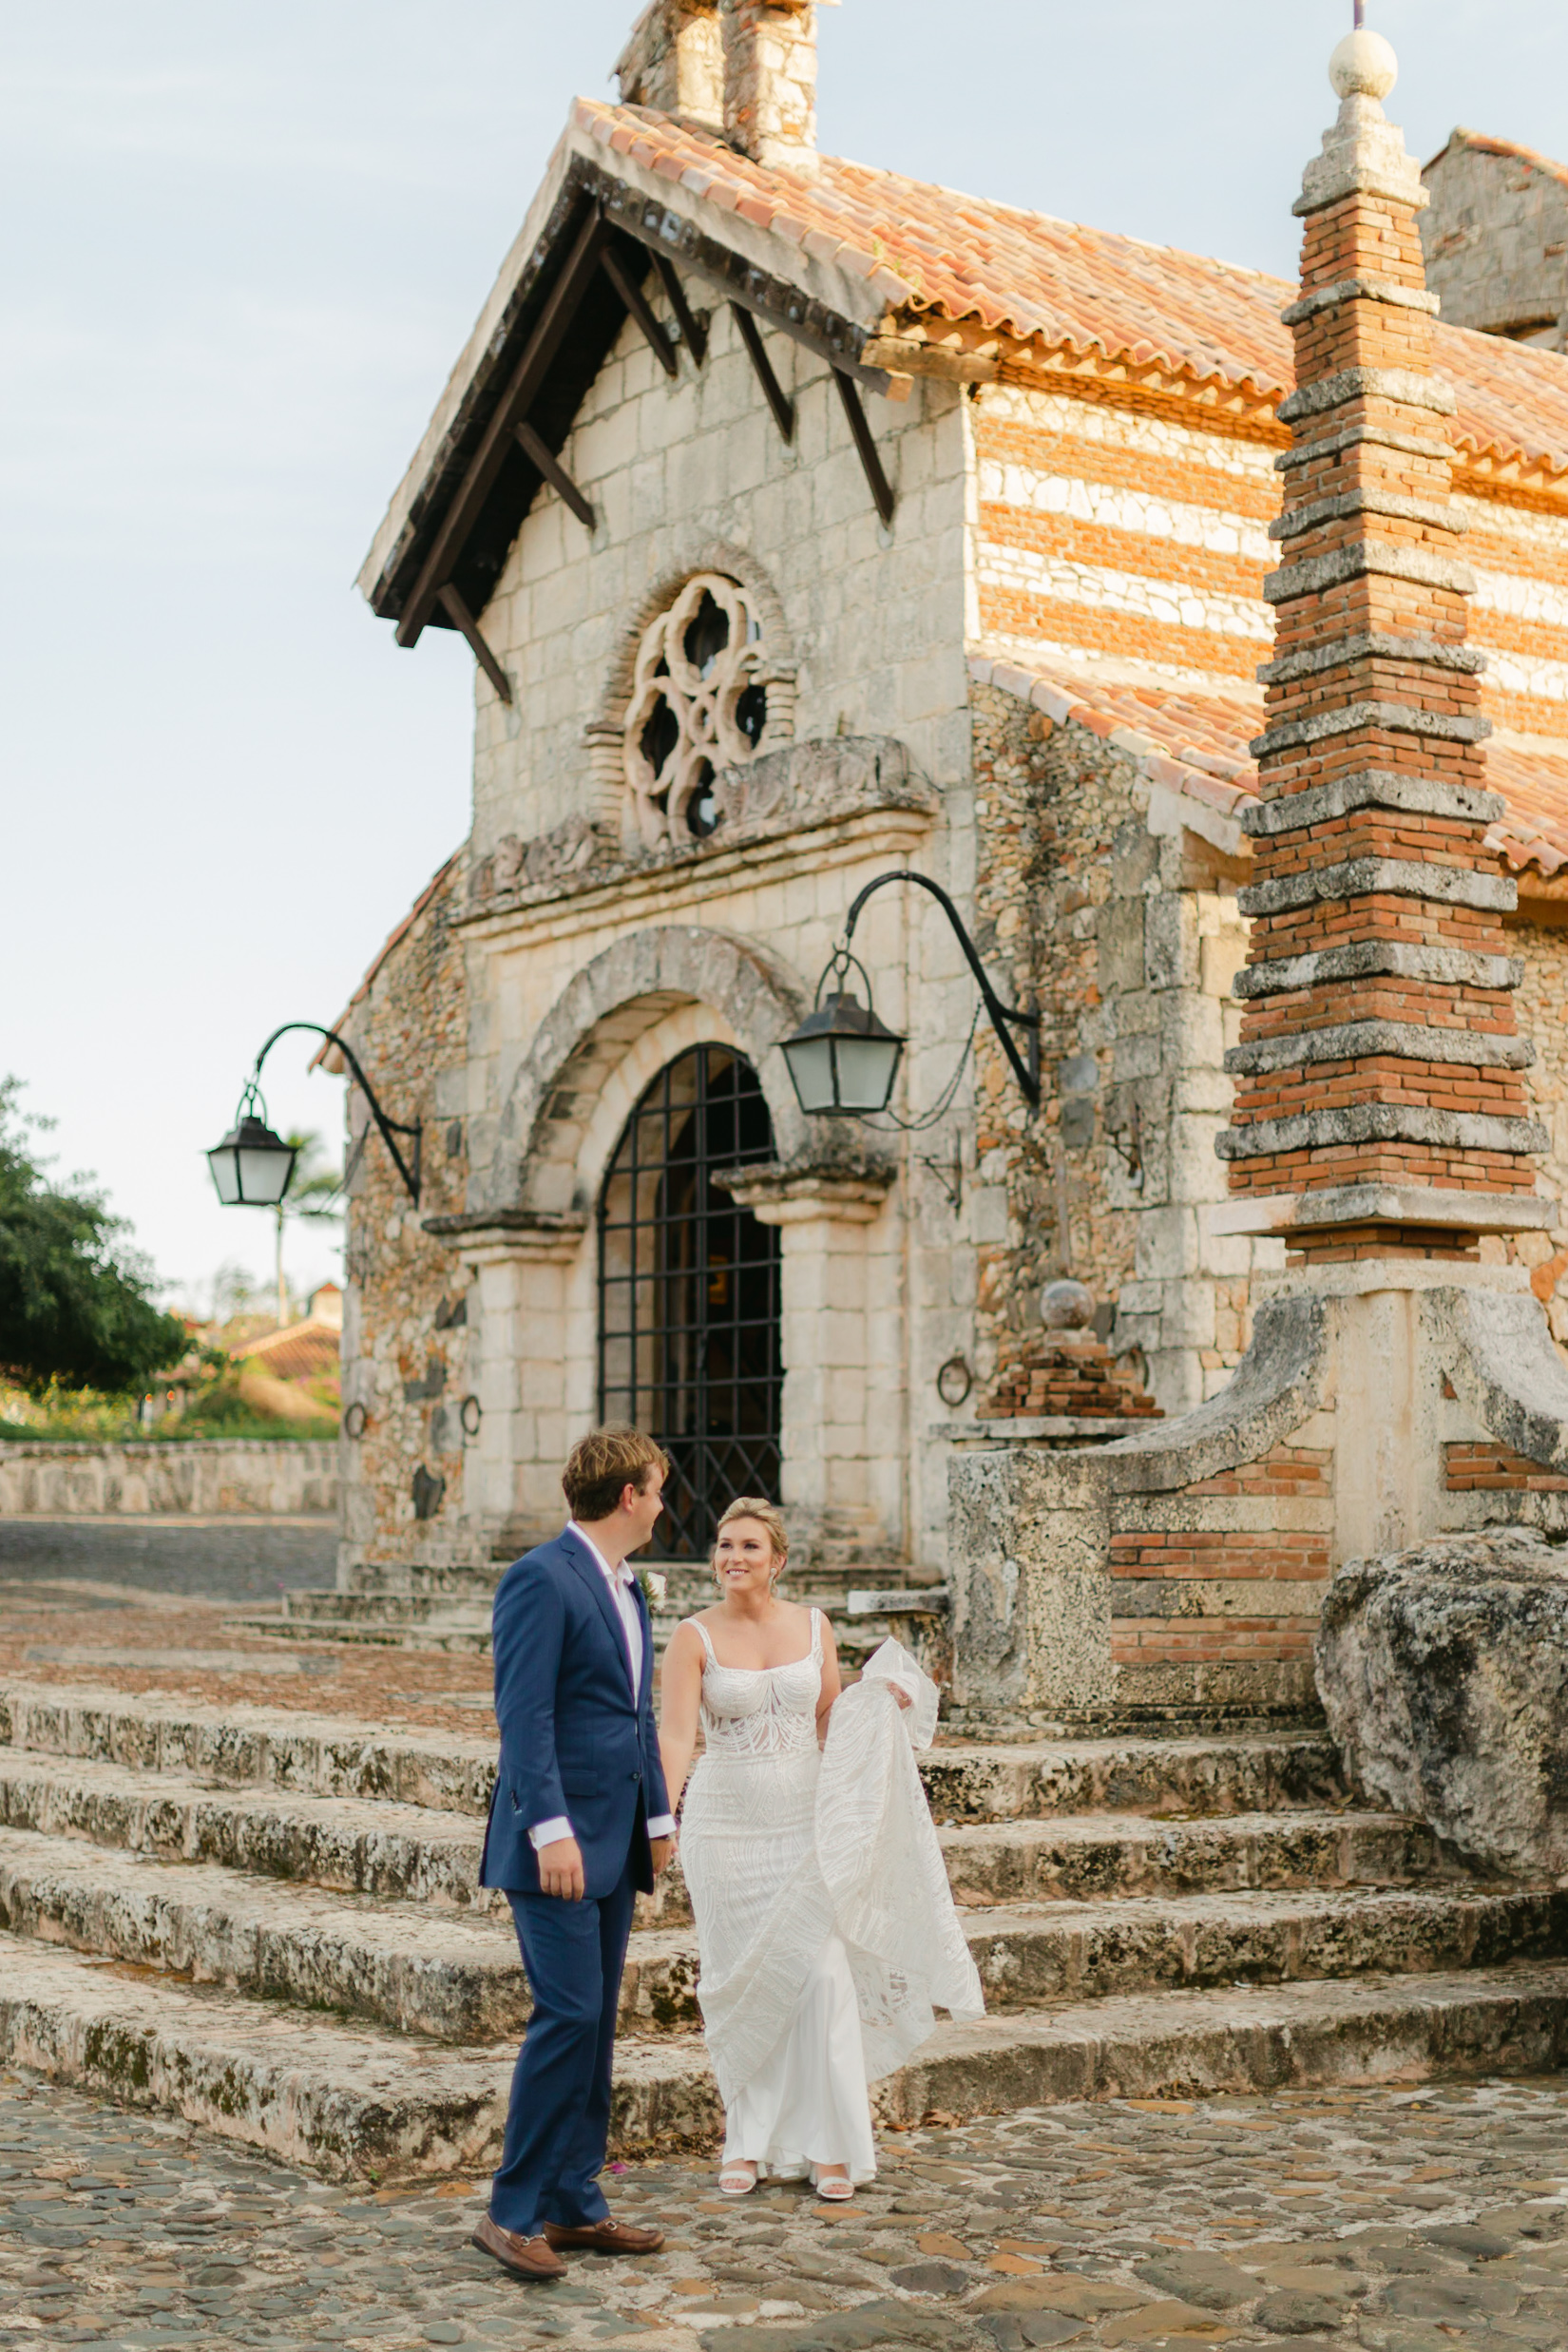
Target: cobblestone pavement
{"x":1399,"y":2220}
{"x":228,"y":1558}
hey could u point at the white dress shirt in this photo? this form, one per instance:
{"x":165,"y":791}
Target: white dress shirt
{"x":620,"y":1581}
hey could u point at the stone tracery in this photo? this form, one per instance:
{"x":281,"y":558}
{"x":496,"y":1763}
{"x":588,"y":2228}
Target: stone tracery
{"x":702,"y":698}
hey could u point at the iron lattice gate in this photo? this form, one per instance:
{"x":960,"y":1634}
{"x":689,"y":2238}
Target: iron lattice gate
{"x":688,"y":1343}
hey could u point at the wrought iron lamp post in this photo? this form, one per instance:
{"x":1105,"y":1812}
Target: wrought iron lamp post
{"x":843,"y":1059}
{"x":252,"y":1167}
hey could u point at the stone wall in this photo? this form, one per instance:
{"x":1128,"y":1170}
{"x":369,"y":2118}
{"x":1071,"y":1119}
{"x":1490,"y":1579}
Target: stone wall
{"x":1542,"y":1009}
{"x":204,"y":1476}
{"x":405,"y":1312}
{"x":1495,"y":240}
{"x":1098,"y":906}
{"x":693,"y":475}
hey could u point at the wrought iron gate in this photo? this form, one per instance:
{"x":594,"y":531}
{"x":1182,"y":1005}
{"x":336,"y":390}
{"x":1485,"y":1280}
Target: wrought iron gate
{"x":689,"y":1342}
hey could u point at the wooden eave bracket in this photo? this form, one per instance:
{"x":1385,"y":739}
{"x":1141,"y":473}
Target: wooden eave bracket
{"x":637,"y":303}
{"x":544,"y":459}
{"x":451,"y":604}
{"x":773,"y":391}
{"x":865,"y":442}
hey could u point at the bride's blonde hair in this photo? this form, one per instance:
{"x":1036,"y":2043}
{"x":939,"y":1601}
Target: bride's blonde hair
{"x":767,"y":1515}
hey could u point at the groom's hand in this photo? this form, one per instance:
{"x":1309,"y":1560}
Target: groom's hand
{"x":661,"y":1849}
{"x":561,"y":1869}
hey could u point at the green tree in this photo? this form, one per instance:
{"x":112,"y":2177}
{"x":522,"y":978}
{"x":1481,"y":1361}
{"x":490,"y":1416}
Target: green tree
{"x":75,"y":1304}
{"x":312,"y":1192}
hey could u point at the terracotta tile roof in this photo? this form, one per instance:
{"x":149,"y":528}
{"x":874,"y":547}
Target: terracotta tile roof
{"x":305,"y":1350}
{"x":1196,"y":744}
{"x":930,"y":252}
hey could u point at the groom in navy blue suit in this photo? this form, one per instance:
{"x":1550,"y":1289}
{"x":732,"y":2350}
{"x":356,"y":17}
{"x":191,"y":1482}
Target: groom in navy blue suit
{"x":580,"y":1822}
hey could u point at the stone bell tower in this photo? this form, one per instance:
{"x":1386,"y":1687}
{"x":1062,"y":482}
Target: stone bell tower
{"x":1401,"y":1383}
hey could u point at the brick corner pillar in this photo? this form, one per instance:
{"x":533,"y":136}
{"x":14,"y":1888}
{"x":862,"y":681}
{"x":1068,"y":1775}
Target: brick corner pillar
{"x":1380,"y":1108}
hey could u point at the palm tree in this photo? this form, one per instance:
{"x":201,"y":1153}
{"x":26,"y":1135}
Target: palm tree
{"x":313,"y":1191}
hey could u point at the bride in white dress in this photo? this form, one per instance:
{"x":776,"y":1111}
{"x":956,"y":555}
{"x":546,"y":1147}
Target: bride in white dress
{"x":816,"y":1976}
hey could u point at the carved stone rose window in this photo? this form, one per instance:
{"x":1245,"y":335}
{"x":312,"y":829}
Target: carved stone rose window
{"x":703,"y":698}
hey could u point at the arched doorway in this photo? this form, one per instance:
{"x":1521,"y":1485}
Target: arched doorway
{"x":689,"y":1297}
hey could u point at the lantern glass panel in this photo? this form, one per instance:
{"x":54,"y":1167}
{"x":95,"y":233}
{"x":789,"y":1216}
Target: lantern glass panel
{"x":224,"y":1162}
{"x":264,"y":1175}
{"x":867,"y":1066}
{"x":811,"y":1060}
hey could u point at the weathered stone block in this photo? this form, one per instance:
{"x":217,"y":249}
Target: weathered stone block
{"x":1443,"y":1673}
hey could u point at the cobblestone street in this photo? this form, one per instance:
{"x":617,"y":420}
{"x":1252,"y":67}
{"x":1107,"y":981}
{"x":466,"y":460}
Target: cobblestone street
{"x":1398,"y":2220}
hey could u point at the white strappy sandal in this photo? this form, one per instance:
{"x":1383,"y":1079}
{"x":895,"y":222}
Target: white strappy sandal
{"x":735,"y":2180}
{"x":836,"y":2190}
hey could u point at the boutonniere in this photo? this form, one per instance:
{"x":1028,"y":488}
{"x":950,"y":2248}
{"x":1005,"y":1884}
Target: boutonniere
{"x":654,"y":1586}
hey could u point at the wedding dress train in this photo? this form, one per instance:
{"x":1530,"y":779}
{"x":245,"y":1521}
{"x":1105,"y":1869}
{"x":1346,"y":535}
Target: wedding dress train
{"x":824,"y":1922}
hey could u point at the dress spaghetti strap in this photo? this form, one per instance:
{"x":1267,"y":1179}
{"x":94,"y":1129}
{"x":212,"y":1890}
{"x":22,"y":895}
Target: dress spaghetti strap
{"x":816,"y":1635}
{"x":713,"y":1659}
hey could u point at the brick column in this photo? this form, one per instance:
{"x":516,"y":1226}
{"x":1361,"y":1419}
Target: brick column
{"x":1380,"y":1107}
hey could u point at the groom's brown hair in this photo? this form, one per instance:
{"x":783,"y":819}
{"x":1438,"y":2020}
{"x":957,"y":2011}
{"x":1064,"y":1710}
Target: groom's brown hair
{"x":603,"y":1464}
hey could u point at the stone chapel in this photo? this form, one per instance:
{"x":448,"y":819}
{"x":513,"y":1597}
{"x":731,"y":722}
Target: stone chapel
{"x":807,"y":522}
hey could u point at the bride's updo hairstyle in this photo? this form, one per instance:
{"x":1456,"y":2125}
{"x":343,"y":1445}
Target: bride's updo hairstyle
{"x":767,"y":1515}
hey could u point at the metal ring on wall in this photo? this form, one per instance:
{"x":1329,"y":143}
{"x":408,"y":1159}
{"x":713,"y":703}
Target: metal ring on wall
{"x":471,"y":1412}
{"x":353,"y":1422}
{"x":954,"y":1380}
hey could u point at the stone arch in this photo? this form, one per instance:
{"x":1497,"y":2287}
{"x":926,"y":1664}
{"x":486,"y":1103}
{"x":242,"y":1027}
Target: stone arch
{"x":599,"y":1017}
{"x":713,"y":555}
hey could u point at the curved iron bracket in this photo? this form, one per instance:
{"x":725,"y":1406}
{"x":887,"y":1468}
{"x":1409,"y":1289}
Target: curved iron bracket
{"x":1026,"y":1071}
{"x":389,"y":1128}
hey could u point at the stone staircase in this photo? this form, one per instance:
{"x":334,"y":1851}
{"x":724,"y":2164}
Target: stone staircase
{"x":448,"y":1608}
{"x":269,"y":1923}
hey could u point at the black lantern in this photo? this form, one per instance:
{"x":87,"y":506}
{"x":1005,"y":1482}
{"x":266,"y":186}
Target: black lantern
{"x":843,"y":1059}
{"x":252,"y":1167}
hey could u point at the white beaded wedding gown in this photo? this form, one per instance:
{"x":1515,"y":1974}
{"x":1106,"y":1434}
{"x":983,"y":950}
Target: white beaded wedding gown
{"x":784,"y":1850}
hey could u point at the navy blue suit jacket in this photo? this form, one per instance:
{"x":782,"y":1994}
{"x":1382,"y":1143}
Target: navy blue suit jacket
{"x":573,"y":1738}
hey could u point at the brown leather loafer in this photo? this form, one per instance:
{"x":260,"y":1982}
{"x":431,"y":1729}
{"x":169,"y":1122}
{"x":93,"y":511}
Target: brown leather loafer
{"x":530,"y":2258}
{"x":607,"y":2237}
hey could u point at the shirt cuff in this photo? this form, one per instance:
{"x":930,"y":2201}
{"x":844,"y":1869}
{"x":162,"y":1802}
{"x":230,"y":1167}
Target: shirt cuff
{"x":661,"y":1825}
{"x":546,"y":1833}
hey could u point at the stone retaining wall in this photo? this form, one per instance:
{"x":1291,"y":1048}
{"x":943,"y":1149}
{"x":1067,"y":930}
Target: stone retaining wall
{"x":207,"y":1475}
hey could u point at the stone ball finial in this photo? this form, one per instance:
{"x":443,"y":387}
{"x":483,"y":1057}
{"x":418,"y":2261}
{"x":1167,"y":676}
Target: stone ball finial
{"x":1066,"y":1306}
{"x":1364,"y":64}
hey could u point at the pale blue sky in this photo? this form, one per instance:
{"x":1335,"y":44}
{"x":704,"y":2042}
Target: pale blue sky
{"x":242,"y":246}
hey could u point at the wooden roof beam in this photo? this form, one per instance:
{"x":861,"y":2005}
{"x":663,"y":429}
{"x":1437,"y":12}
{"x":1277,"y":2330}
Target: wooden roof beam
{"x":544,"y":459}
{"x":527,"y":377}
{"x":773,"y":391}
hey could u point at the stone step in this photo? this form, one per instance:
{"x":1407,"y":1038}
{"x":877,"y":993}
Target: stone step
{"x":410,"y":1621}
{"x":457,"y":1978}
{"x":1045,"y":1952}
{"x":237,"y":1745}
{"x":404,"y":1851}
{"x":342,"y":2098}
{"x":975,"y":1781}
{"x":417,"y":1969}
{"x":1089,"y":1857}
{"x":240,"y":1746}
{"x":346,"y":2099}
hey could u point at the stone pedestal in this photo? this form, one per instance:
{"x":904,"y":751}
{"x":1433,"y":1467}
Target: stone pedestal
{"x":1177,"y":1575}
